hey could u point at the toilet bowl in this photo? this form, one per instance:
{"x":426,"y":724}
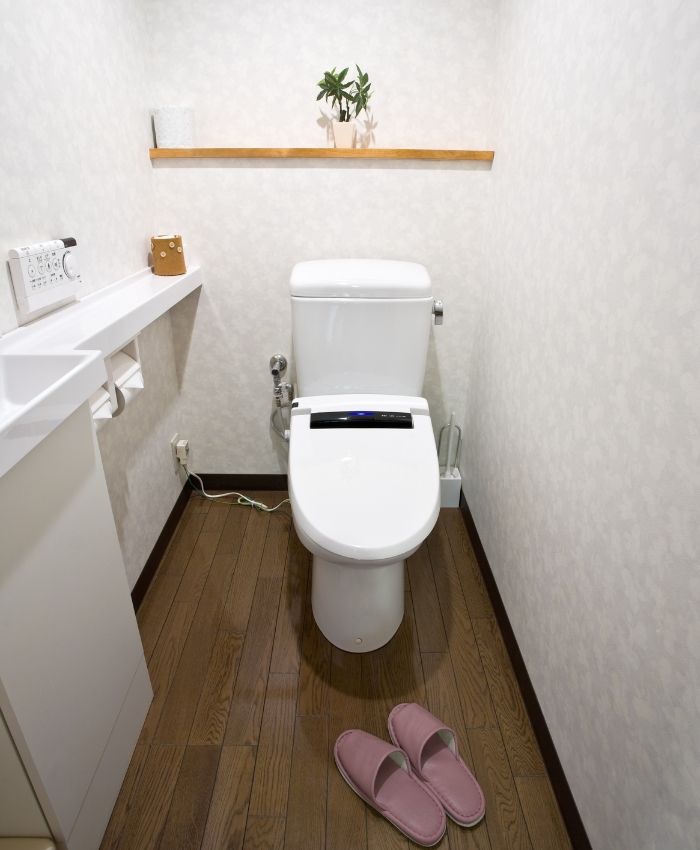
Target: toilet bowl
{"x":363,"y":499}
{"x":364,"y":481}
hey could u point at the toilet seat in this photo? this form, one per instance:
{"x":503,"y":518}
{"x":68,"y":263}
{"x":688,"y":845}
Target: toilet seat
{"x":363,"y":494}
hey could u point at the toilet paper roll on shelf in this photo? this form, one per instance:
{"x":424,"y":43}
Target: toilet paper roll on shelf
{"x":124,"y":382}
{"x":174,"y":127}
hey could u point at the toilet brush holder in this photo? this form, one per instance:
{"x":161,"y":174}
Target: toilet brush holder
{"x":450,"y":488}
{"x":449,"y":444}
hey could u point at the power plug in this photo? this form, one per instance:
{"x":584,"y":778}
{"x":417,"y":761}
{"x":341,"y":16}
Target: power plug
{"x":181,"y":449}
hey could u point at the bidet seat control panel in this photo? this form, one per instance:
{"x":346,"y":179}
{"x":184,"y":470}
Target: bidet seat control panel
{"x":44,"y":275}
{"x":362,"y":419}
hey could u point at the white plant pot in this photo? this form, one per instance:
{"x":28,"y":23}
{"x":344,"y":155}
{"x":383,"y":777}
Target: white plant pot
{"x":344,"y":134}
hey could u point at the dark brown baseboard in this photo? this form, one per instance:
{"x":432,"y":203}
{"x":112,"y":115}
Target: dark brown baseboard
{"x":215,"y":481}
{"x":148,"y":572}
{"x":567,"y":804}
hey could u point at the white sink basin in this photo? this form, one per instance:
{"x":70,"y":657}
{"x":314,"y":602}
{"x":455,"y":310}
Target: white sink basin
{"x":38,"y":391}
{"x":51,"y":366}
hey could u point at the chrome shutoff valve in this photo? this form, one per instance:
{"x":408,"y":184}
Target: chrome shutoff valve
{"x":282,"y":391}
{"x":438,"y":311}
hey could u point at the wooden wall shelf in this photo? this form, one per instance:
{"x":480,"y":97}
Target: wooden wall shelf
{"x":321,"y":153}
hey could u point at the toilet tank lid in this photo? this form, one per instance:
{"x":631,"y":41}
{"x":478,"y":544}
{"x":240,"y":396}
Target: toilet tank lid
{"x":360,"y":279}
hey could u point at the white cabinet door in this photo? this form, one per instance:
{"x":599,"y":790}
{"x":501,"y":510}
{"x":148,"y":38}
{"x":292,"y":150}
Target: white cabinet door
{"x":69,"y":644}
{"x":20,"y":813}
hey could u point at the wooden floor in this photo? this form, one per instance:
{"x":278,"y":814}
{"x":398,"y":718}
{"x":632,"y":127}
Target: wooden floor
{"x":249,"y":698}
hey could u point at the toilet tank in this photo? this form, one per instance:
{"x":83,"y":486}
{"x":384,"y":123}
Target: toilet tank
{"x":360,"y":326}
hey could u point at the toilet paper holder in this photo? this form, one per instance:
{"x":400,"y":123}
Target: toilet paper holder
{"x":124,"y":381}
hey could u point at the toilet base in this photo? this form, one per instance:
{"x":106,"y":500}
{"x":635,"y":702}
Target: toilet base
{"x":357,"y":607}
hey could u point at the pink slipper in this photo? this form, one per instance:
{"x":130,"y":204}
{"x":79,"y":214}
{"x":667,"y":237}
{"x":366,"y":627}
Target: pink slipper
{"x":432,"y":748}
{"x":381,"y":775}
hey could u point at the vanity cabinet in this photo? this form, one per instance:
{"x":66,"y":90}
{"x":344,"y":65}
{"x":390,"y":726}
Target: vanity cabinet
{"x":20,"y":813}
{"x":74,"y":689}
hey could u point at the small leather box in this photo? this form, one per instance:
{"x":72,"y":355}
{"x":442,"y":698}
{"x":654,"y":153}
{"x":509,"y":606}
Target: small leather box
{"x":168,"y":256}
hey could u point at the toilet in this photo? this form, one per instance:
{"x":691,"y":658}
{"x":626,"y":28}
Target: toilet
{"x":363,"y":469}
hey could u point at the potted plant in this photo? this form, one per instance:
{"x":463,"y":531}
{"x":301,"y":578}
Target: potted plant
{"x":350,"y":97}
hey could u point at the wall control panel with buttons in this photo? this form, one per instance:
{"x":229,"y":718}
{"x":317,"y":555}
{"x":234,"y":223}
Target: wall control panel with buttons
{"x":44,"y":275}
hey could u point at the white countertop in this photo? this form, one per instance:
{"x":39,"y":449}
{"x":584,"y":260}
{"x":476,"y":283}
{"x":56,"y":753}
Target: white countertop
{"x":51,"y":366}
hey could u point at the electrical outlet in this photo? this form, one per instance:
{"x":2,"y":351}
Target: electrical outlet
{"x":182,"y":451}
{"x":173,"y":444}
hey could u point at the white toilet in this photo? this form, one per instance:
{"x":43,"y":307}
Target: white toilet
{"x":363,"y":469}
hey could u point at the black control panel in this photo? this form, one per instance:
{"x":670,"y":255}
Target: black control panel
{"x":362,"y":419}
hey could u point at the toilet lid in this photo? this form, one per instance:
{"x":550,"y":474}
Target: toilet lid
{"x":366,"y":493}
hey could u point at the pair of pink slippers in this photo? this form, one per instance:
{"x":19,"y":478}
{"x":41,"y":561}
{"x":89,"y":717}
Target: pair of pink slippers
{"x":417,"y":781}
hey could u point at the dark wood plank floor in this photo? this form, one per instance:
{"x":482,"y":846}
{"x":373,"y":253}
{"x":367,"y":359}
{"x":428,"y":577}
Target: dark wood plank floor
{"x":236,"y":751}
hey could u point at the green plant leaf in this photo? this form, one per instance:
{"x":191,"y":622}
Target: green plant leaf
{"x":348,"y":96}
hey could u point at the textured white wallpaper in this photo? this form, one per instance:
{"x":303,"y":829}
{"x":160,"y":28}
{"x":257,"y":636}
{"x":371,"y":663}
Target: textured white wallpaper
{"x":249,"y":71}
{"x":74,"y":125}
{"x":142,"y":477}
{"x":74,"y":122}
{"x":248,"y":226}
{"x":583,"y":422}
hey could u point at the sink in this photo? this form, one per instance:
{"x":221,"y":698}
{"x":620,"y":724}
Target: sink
{"x":51,"y":366}
{"x":23,"y":377}
{"x":38,"y":391}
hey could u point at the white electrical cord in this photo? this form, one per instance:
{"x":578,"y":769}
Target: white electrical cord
{"x":242,"y":500}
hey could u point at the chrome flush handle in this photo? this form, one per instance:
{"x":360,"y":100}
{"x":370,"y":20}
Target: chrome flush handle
{"x":438,"y":311}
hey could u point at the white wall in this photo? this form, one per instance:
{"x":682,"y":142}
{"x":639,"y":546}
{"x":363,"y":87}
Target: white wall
{"x":250,"y":69}
{"x":74,"y":124}
{"x":583,"y":428}
{"x":142,"y":477}
{"x":250,"y":72}
{"x":75,"y":129}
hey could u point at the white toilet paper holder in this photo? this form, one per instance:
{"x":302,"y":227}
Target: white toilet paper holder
{"x":124,"y":381}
